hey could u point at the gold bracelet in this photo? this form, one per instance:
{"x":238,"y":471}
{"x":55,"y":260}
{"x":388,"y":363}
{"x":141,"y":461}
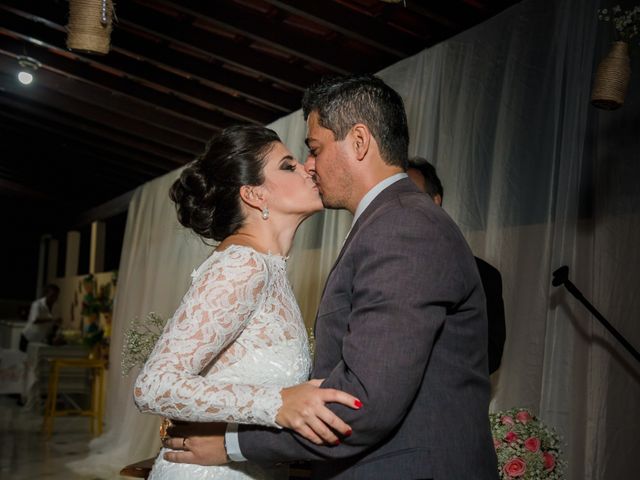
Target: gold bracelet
{"x":164,"y":426}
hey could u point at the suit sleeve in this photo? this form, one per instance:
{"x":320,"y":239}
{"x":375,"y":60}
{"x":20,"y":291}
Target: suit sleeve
{"x":406,"y":275}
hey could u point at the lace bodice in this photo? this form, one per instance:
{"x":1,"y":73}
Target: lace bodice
{"x":236,"y":339}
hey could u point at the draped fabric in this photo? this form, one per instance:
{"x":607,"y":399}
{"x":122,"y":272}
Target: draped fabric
{"x":157,"y":259}
{"x":535,"y":177}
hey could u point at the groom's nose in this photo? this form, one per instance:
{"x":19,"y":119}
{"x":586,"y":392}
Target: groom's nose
{"x":310,"y":165}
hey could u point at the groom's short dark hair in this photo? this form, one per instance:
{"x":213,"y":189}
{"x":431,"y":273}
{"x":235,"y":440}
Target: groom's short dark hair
{"x":343,"y":101}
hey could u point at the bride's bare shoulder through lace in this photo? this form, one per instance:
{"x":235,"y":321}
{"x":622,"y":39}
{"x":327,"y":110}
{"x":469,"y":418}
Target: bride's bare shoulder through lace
{"x":235,"y":341}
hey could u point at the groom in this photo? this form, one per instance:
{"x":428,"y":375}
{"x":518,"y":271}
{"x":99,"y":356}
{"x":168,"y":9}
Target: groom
{"x":402,"y":323}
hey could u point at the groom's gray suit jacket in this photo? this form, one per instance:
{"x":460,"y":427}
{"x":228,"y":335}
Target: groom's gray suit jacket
{"x":402,"y":326}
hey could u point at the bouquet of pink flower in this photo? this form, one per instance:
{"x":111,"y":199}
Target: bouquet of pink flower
{"x":526,"y":448}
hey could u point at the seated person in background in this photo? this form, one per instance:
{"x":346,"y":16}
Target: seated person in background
{"x":424,"y":176}
{"x":41,"y":326}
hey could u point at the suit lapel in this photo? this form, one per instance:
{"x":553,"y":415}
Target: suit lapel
{"x":404,"y":184}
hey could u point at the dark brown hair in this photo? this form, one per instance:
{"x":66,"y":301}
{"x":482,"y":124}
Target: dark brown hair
{"x":207,"y":194}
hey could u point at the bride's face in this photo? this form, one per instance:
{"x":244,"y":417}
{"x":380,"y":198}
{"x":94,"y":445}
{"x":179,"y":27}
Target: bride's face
{"x":290,"y":189}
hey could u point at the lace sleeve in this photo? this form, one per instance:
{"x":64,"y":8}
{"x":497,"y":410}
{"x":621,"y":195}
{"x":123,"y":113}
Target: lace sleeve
{"x":213,"y":313}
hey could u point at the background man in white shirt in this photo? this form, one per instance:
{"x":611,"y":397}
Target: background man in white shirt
{"x":40,"y":323}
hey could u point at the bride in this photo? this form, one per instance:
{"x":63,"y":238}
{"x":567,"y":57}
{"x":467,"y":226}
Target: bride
{"x":237,"y":341}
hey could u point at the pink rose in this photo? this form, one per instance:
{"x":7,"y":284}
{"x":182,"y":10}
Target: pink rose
{"x":549,"y":461}
{"x":515,"y":467}
{"x":496,"y":443}
{"x":532,"y":444}
{"x":507,"y":420}
{"x":511,"y":437}
{"x":523,"y":417}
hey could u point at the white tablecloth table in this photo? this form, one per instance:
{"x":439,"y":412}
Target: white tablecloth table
{"x":38,"y":368}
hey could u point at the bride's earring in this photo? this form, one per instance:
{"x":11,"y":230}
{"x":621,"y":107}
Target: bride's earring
{"x":265,"y":213}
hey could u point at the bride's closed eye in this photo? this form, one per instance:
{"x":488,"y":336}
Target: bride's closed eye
{"x":289,"y":166}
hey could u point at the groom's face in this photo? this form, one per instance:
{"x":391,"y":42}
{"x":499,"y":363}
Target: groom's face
{"x":328,"y":163}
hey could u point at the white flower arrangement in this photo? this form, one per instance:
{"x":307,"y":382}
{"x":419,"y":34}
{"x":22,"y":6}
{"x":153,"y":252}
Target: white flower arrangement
{"x":626,"y":22}
{"x":527,"y":449}
{"x":139,"y":340}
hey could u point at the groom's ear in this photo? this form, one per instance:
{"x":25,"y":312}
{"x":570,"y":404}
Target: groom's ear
{"x":252,"y":196}
{"x":360,"y":137}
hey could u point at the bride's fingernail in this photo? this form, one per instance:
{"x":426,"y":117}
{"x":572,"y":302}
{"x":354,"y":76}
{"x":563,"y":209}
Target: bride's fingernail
{"x":357,"y":403}
{"x":337,"y":443}
{"x":348,"y":433}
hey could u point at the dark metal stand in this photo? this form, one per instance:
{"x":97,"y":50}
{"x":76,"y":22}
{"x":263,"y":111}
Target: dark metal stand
{"x":561,"y":277}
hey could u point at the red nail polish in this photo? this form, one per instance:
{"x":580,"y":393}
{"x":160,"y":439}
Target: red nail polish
{"x":357,"y":403}
{"x":337,"y":443}
{"x":348,"y":433}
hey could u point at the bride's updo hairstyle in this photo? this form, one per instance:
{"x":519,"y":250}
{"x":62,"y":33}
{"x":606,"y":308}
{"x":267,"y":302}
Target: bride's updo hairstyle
{"x":207,"y":194}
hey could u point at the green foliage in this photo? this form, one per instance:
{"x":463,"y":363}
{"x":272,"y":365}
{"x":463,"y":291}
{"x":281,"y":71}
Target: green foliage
{"x":102,"y":303}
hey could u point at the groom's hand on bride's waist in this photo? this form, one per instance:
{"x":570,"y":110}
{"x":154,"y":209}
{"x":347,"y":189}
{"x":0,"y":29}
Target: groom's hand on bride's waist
{"x":196,"y":443}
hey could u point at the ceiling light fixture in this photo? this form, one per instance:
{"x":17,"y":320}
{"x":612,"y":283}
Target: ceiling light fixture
{"x":28,"y":69}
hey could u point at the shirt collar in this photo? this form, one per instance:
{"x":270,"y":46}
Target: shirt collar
{"x":374,"y":192}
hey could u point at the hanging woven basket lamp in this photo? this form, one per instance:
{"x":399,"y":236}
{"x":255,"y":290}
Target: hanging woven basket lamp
{"x":90,"y":25}
{"x":612,"y":78}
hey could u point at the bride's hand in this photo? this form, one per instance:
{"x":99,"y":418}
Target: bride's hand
{"x":303,"y":410}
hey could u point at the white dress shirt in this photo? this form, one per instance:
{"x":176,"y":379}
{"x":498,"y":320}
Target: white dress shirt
{"x":37,"y":332}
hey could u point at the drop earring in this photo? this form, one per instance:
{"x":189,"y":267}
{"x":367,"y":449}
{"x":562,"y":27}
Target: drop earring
{"x":265,"y":213}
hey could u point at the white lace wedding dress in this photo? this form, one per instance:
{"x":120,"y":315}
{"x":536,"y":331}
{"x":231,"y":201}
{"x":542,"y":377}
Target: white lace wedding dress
{"x":235,"y":341}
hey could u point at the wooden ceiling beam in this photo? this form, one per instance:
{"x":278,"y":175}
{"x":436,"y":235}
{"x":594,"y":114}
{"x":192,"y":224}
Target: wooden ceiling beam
{"x":146,"y":73}
{"x":228,"y":51}
{"x":11,"y":188}
{"x":327,"y":53}
{"x":134,"y":110}
{"x":65,"y":181}
{"x":106,"y":210}
{"x":25,"y":114}
{"x":449,"y":22}
{"x":130,"y":44}
{"x":206,"y":72}
{"x":193,"y":91}
{"x":38,"y":92}
{"x":64,"y":63}
{"x":455,"y":15}
{"x":86,"y":159}
{"x":87,"y":162}
{"x":345,"y":21}
{"x":163,"y":157}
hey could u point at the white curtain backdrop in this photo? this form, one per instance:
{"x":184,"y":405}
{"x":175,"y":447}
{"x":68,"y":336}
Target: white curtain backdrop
{"x":535,"y":177}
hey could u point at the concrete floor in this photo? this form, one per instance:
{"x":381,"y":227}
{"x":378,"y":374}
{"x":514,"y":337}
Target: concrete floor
{"x":25,"y":453}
